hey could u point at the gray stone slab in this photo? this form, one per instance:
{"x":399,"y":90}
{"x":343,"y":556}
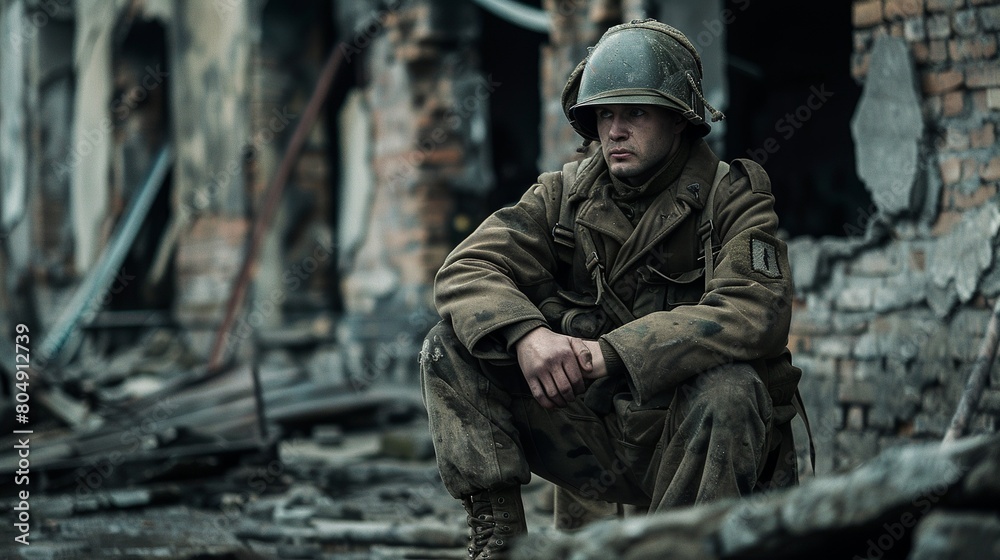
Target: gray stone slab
{"x":854,"y":448}
{"x":899,"y":292}
{"x":887,"y":127}
{"x":958,"y":260}
{"x":955,"y":536}
{"x":804,"y":255}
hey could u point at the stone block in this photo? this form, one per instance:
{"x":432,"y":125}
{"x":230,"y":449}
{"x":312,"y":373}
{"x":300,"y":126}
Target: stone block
{"x":899,"y":9}
{"x":959,"y":200}
{"x":965,"y":23}
{"x":939,"y":26}
{"x":986,"y":75}
{"x":992,"y":99}
{"x":942,"y":299}
{"x":900,"y":292}
{"x":972,"y":48}
{"x":990,"y":171}
{"x":983,"y":137}
{"x":959,"y":258}
{"x":887,"y":126}
{"x":853,"y":449}
{"x":965,"y":333}
{"x":869,"y":369}
{"x":326,"y":367}
{"x":989,"y":17}
{"x":805,"y":258}
{"x":955,"y":139}
{"x":857,"y":392}
{"x":989,"y":285}
{"x":951,"y":170}
{"x":915,"y":29}
{"x":877,"y":261}
{"x":952,"y":103}
{"x":944,"y":5}
{"x":937,"y":51}
{"x":855,"y":298}
{"x":936,"y":83}
{"x":851,"y":323}
{"x":952,"y":534}
{"x":866,"y":13}
{"x":896,"y":403}
{"x":855,"y":418}
{"x":834,"y":346}
{"x":931,"y":425}
{"x":983,"y":424}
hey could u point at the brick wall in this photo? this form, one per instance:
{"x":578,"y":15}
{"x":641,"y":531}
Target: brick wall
{"x":887,"y":321}
{"x":429,"y":104}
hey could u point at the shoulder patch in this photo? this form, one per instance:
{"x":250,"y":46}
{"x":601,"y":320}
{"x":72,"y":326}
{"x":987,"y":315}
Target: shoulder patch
{"x":759,"y":181}
{"x":764,"y":258}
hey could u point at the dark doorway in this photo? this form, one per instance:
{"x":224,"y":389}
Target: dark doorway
{"x":791,"y":101}
{"x":140,"y":114}
{"x":510,"y":54}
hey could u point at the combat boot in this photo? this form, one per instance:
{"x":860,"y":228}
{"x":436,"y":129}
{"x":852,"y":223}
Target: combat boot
{"x":494,"y":518}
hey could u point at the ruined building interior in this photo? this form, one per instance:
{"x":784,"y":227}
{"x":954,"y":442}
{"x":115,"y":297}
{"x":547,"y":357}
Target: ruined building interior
{"x":220,"y":223}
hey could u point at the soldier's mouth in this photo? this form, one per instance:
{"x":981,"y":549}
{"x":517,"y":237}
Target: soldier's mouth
{"x":619,"y":154}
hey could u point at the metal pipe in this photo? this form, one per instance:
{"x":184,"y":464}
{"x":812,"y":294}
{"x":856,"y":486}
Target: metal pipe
{"x":977,"y":378}
{"x":269,"y":206}
{"x":84,"y":301}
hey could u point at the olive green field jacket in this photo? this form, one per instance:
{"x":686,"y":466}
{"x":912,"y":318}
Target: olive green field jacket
{"x":493,"y":284}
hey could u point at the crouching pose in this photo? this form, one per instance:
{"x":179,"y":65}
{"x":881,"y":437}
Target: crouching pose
{"x":620,"y":331}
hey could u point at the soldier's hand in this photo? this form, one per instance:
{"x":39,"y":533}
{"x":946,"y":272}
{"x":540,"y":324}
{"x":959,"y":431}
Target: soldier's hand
{"x":551,"y":364}
{"x":592,"y":360}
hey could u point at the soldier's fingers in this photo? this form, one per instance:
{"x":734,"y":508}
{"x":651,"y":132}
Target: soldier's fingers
{"x":552,"y":391}
{"x":565,"y":385}
{"x":583,"y":355}
{"x":539,"y":393}
{"x":575,"y":376}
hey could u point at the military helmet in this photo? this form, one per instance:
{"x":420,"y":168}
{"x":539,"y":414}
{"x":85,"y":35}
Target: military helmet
{"x":641,"y":62}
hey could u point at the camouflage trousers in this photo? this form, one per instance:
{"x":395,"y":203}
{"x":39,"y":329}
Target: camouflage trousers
{"x":707,"y":440}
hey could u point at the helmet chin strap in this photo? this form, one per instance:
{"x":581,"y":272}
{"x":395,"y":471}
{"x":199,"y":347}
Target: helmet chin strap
{"x":717,"y":115}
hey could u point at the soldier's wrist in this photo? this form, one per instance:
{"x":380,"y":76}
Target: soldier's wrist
{"x":612,"y":360}
{"x":515,"y":332}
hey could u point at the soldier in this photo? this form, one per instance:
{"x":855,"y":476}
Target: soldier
{"x":621,"y":330}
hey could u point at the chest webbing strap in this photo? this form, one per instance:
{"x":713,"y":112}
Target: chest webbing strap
{"x":563,"y":232}
{"x":707,"y":226}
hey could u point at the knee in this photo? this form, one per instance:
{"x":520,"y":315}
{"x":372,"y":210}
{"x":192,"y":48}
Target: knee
{"x":433,"y":348}
{"x":443,"y":357}
{"x":733,"y":392}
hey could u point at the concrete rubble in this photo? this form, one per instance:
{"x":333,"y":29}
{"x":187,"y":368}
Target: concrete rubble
{"x":911,"y":502}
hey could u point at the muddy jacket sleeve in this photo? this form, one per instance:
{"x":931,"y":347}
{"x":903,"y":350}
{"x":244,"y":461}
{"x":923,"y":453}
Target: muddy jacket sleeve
{"x":745,"y":313}
{"x":489,"y":284}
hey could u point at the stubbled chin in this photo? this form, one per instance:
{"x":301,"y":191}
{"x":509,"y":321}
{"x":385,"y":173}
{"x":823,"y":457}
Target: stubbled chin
{"x":621,"y":170}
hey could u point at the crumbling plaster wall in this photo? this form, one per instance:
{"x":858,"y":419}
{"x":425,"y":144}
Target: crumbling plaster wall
{"x":888,"y":320}
{"x":428,"y":101}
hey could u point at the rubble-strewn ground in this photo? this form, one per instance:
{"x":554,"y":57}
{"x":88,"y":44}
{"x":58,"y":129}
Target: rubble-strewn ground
{"x":140,"y":454}
{"x":366,"y":494}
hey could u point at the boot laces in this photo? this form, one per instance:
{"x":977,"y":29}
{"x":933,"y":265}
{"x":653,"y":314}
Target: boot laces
{"x":480,"y":531}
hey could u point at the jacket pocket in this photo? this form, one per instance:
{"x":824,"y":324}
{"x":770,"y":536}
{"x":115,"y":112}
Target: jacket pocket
{"x":662,"y":292}
{"x":574,"y":314}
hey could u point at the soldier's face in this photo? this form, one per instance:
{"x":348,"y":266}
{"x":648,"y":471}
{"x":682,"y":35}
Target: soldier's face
{"x":637,"y":139}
